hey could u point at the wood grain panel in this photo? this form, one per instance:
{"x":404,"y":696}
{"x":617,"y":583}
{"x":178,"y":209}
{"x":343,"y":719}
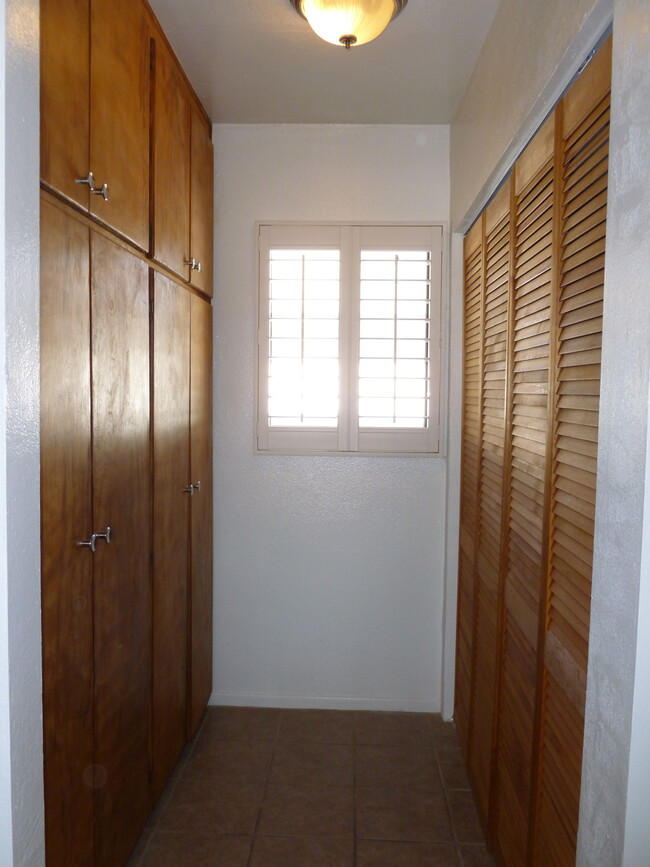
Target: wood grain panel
{"x":490,"y":497}
{"x":202,"y":203}
{"x":66,"y":518}
{"x":65,"y":71}
{"x":119,"y":116}
{"x":121,"y":488}
{"x":472,"y":349}
{"x":171,"y":524}
{"x":171,"y":164}
{"x":201,"y":534}
{"x":528,"y":428}
{"x":584,"y":155}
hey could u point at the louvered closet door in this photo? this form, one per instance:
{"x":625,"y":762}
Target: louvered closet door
{"x":528,"y":433}
{"x":469,"y":479}
{"x":585,"y":125}
{"x":490,"y":500}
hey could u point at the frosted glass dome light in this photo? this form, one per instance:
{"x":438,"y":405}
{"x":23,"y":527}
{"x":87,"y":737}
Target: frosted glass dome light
{"x":349,"y":22}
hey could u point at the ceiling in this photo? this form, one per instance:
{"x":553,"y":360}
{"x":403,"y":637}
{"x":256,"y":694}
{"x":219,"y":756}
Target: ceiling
{"x":257,"y":61}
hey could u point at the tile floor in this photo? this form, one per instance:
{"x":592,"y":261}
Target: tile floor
{"x":262,"y":787}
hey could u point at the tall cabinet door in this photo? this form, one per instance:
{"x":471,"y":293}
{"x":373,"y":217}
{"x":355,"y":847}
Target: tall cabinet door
{"x":122,"y":593}
{"x":201,"y":533}
{"x":66,"y":519}
{"x":171,"y":527}
{"x":171,"y":163}
{"x":65,"y":60}
{"x":119,"y":115}
{"x":202,"y":204}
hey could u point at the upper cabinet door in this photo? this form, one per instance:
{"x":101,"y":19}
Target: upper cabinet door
{"x":65,"y":60}
{"x":171,"y":165}
{"x":202,"y":204}
{"x":119,"y":116}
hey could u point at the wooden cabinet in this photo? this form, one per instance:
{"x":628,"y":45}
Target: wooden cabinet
{"x":200,"y":683}
{"x":183,"y":177}
{"x":127,"y":614}
{"x":182,"y":535}
{"x":95,"y":70}
{"x":96,"y":595}
{"x":202,"y":204}
{"x":171,"y":534}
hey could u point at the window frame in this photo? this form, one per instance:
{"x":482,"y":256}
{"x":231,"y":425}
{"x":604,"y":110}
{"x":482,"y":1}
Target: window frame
{"x":347,"y":438}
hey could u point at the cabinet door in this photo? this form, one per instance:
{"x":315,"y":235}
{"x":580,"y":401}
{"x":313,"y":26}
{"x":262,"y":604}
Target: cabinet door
{"x":119,"y":116}
{"x":171,"y":176}
{"x":201,"y":549}
{"x":66,"y":518}
{"x":171,"y":478}
{"x":202,"y":203}
{"x":65,"y":59}
{"x":121,"y":501}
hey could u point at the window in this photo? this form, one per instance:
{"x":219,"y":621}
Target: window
{"x":349,"y":339}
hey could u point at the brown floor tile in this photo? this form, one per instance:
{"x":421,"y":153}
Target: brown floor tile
{"x":452,"y":768}
{"x":241,"y":723}
{"x":206,"y":806}
{"x":464,"y":817}
{"x":400,"y":729}
{"x":317,"y":726}
{"x":476,"y":856}
{"x":313,"y":765}
{"x":229,"y":761}
{"x":384,"y":854}
{"x":171,"y":849}
{"x":304,"y":811}
{"x":302,"y":852}
{"x":416,"y":814}
{"x":396,"y":766}
{"x":444,"y":733}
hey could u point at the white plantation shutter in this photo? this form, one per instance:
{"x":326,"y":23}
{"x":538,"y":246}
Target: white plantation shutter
{"x":349,"y":339}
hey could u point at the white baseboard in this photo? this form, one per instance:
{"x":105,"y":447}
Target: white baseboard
{"x":314,"y":702}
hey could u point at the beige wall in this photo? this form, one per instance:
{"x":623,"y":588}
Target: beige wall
{"x":532,"y":51}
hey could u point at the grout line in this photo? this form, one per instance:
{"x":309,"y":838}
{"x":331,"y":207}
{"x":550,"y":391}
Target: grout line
{"x":276,"y":741}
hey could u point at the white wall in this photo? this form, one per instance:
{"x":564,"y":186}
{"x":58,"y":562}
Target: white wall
{"x":614,"y":825}
{"x":21,"y":792}
{"x":328,"y":570}
{"x":532,"y":51}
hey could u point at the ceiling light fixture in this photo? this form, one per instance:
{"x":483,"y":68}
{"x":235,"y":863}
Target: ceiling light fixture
{"x":349,"y":22}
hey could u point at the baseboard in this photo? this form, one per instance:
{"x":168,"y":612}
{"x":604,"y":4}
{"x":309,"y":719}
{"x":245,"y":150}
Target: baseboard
{"x":314,"y":702}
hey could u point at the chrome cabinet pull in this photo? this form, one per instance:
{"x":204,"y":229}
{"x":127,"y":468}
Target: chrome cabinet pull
{"x":105,"y":535}
{"x":197,"y":487}
{"x":197,"y":267}
{"x":97,"y":191}
{"x":102,"y":191}
{"x":193,"y":264}
{"x":89,"y":544}
{"x":189,"y":490}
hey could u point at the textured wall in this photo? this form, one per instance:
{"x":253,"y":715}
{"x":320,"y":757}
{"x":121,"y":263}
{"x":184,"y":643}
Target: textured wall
{"x":328,"y":570}
{"x":618,"y":689}
{"x":529,"y":56}
{"x":21,"y":790}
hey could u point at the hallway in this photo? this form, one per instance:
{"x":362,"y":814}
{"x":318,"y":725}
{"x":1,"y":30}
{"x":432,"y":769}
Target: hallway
{"x":261,"y":787}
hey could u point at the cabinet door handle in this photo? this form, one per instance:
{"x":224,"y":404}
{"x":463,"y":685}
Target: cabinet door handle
{"x":191,"y":264}
{"x":197,"y":487}
{"x":105,"y":535}
{"x":102,"y":191}
{"x":197,"y":267}
{"x":90,"y":180}
{"x":189,"y":490}
{"x":89,"y":544}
